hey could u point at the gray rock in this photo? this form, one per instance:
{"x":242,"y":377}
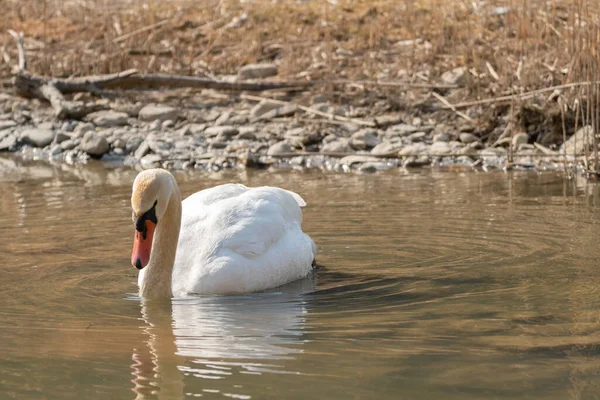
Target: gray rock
{"x":68,"y":144}
{"x":94,"y":144}
{"x":467,"y":138}
{"x":256,"y":71}
{"x":263,"y":107}
{"x":417,"y":136}
{"x":155,"y":126}
{"x":329,"y":138}
{"x":161,"y":112}
{"x":284,"y":111}
{"x":56,"y":150}
{"x":38,"y":137}
{"x":318,"y":99}
{"x":520,"y":138}
{"x":455,"y":76}
{"x":133,"y":143}
{"x":108,"y":118}
{"x":579,"y":141}
{"x":61,"y":137}
{"x":401,"y":130}
{"x":167,"y":124}
{"x":387,"y":120}
{"x":385,"y":148}
{"x":225,"y":130}
{"x":223,"y":118}
{"x":364,"y":139}
{"x":151,"y":161}
{"x":8,"y":143}
{"x":197,"y":129}
{"x":7,"y":124}
{"x":279,"y":148}
{"x":441,"y":137}
{"x":357,"y":159}
{"x":414,"y":149}
{"x":337,"y":146}
{"x":301,"y":136}
{"x":128,"y":108}
{"x":440,"y":148}
{"x":247,"y":132}
{"x":82,"y":129}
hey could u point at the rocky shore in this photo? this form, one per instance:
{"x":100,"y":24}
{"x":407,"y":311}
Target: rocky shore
{"x":213,"y":131}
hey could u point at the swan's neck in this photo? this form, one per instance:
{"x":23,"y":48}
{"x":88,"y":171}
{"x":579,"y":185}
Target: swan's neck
{"x":156,"y":281}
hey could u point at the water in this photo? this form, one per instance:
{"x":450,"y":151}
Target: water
{"x":434,"y":285}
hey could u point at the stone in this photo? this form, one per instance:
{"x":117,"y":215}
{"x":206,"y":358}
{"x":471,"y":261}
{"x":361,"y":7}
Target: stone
{"x":285,"y":111}
{"x":279,"y":148}
{"x":8,"y":143}
{"x":301,"y":136}
{"x":151,"y":161}
{"x":364,"y":139}
{"x":441,"y":137}
{"x":247,"y":132}
{"x":439,"y":148}
{"x":386,"y":148}
{"x":82,"y":129}
{"x":357,"y":159}
{"x":401,"y":130}
{"x":133,"y":143}
{"x":414,"y":149}
{"x":68,"y":144}
{"x":387,"y":120}
{"x":224,"y":130}
{"x":223,"y":118}
{"x":329,"y":138}
{"x":337,"y":146}
{"x":61,"y":137}
{"x":318,"y":99}
{"x":56,"y":150}
{"x":167,"y":124}
{"x":196,"y":129}
{"x":161,"y":112}
{"x":108,"y":118}
{"x":7,"y":124}
{"x":94,"y":144}
{"x":38,"y":137}
{"x":579,"y":141}
{"x":263,"y":107}
{"x":417,"y":136}
{"x":256,"y":71}
{"x":455,"y":76}
{"x":520,"y":138}
{"x":467,"y":138}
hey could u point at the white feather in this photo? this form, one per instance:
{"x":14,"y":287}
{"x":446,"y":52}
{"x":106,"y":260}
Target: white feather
{"x":235,"y":239}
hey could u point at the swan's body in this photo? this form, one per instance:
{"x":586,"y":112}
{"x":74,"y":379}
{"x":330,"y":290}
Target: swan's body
{"x":232,"y":239}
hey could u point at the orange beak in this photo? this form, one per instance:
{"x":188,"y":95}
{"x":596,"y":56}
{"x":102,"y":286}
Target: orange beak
{"x":142,"y":245}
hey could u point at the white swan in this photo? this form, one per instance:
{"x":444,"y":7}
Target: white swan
{"x":224,"y":240}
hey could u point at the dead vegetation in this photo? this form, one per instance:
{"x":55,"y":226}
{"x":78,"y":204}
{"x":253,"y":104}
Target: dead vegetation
{"x":509,"y":66}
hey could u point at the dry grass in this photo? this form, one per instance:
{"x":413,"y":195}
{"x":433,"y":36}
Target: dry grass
{"x":508,"y":47}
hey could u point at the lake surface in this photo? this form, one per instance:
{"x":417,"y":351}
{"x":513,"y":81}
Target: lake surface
{"x":453,"y":285}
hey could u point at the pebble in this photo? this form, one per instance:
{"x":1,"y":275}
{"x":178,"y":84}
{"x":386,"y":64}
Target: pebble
{"x":284,"y":111}
{"x":8,"y":143}
{"x":225,"y":130}
{"x":94,"y":145}
{"x":263,"y":107}
{"x":108,"y":118}
{"x":152,"y":112}
{"x":7,"y":124}
{"x":38,"y":137}
{"x":279,"y":148}
{"x":385,"y":148}
{"x":151,"y":160}
{"x":364,"y":139}
{"x":519,"y":138}
{"x":256,"y":71}
{"x":337,"y":146}
{"x":468,"y":138}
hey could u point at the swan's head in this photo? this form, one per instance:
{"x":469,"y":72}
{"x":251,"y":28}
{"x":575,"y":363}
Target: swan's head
{"x":152,"y":191}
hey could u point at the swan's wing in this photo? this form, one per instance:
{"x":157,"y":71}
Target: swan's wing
{"x":215,"y":194}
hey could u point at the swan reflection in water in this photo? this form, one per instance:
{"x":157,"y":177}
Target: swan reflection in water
{"x":218,"y":337}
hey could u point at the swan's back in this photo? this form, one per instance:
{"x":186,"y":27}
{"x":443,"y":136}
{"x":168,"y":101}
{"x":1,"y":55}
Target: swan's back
{"x":236,"y":239}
